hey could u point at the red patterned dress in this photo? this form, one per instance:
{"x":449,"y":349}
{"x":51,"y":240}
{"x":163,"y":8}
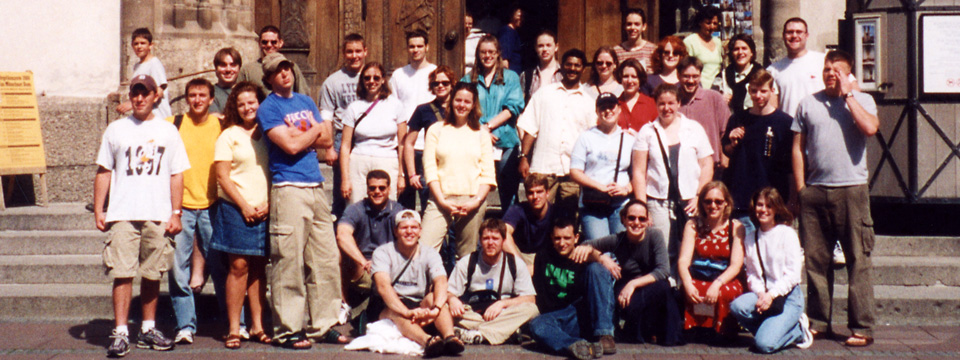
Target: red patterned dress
{"x":715,"y":245}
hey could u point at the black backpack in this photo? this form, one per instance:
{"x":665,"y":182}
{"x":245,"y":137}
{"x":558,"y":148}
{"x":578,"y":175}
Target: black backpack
{"x":480,"y":300}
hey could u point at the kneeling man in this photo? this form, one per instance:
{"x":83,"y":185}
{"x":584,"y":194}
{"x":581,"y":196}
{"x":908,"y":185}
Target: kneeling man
{"x":490,"y":296}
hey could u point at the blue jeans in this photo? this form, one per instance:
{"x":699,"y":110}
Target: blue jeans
{"x":559,"y":329}
{"x":195,"y":223}
{"x":508,"y":177}
{"x":598,"y":223}
{"x":771,"y":333}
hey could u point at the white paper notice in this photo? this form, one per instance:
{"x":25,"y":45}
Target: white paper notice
{"x":940,"y":48}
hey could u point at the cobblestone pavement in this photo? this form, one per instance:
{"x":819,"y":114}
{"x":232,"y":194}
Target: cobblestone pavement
{"x":89,"y":340}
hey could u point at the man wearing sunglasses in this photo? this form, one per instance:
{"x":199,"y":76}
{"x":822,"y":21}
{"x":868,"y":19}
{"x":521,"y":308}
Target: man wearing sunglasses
{"x":270,"y":42}
{"x":365,"y":225}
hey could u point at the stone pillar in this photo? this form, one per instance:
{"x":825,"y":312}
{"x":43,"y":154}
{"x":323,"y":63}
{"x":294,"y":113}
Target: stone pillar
{"x":296,"y":39}
{"x":822,"y":18}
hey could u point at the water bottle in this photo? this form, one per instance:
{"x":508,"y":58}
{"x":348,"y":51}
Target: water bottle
{"x":768,"y":143}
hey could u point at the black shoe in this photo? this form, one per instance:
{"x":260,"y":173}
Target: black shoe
{"x":609,"y":344}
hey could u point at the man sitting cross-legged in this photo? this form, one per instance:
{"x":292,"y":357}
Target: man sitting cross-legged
{"x":403,"y":273}
{"x":491,"y":297}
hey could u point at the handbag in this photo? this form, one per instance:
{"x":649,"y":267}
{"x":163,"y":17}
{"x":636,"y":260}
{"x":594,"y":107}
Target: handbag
{"x":596,"y":198}
{"x":710,"y":269}
{"x":673,"y":195}
{"x":480,"y":300}
{"x":776,"y":307}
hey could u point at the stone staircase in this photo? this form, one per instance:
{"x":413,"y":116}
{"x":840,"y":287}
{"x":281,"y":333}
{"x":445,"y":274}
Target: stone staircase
{"x":50,"y":270}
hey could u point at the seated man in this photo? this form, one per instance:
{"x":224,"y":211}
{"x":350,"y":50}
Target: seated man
{"x":575,"y":299}
{"x":403,"y":272}
{"x":646,"y":301}
{"x":365,"y":225}
{"x":491,"y":297}
{"x":528,"y":223}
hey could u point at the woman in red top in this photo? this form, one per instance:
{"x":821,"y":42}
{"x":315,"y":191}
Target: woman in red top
{"x":711,"y":257}
{"x":636,"y":109}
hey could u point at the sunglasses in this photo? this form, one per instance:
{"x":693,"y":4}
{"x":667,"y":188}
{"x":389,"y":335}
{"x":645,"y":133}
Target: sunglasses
{"x":439,"y":83}
{"x":269,"y":42}
{"x":717,"y":202}
{"x":671,"y":53}
{"x":604,"y":63}
{"x":376,"y":188}
{"x":636,"y":218}
{"x":371,"y":78}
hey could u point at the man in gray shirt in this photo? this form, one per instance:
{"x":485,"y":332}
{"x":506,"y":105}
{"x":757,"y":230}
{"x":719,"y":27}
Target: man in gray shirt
{"x":226,"y":64}
{"x":496,"y":297}
{"x":830,"y":173}
{"x":337,"y":92}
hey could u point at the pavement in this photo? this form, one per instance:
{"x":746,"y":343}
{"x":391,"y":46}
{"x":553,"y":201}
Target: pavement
{"x":57,"y":340}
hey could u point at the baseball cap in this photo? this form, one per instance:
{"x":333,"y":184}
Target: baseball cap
{"x":406,"y":215}
{"x":606,"y":100}
{"x":144,"y":80}
{"x":273,"y":61}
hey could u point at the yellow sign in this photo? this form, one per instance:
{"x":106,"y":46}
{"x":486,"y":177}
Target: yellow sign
{"x":21,"y":142}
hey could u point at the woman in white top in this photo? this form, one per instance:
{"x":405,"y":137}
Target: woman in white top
{"x":672,"y":160}
{"x":372,"y":126}
{"x":773,"y":308}
{"x":240,"y":217}
{"x":602,"y":79}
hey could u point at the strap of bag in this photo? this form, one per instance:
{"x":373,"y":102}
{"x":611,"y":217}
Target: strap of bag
{"x":616,"y":166}
{"x":405,"y":266}
{"x":178,"y":120}
{"x":436,"y":111}
{"x":756,"y":241}
{"x":365,"y":113}
{"x":666,"y":164}
{"x":508,"y":260}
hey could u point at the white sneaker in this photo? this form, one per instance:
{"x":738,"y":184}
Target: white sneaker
{"x":184,"y":336}
{"x":807,"y":338}
{"x":344,"y":315}
{"x":469,"y":337}
{"x":244,"y":334}
{"x":838,"y":258}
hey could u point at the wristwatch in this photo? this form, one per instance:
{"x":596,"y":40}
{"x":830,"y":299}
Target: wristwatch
{"x":848,"y":95}
{"x":178,"y":212}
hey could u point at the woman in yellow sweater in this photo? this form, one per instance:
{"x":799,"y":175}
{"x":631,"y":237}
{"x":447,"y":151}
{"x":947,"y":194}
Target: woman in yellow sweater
{"x":458,"y":164}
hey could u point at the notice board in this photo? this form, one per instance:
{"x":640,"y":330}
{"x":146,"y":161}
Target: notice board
{"x":939,"y":48}
{"x":21,"y":142}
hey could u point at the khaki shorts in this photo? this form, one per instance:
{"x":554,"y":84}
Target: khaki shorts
{"x":134,"y":247}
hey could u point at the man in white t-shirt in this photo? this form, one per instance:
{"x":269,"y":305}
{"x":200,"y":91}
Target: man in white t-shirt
{"x":141,"y":161}
{"x":799,"y":74}
{"x":494,"y":298}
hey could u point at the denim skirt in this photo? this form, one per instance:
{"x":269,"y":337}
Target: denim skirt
{"x":234,"y":236}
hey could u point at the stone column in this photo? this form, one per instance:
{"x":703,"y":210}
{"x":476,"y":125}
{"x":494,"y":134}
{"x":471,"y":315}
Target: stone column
{"x":296,"y":39}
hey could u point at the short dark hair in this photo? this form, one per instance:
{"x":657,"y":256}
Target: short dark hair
{"x":418,"y":34}
{"x":577,"y":53}
{"x":643,"y":15}
{"x":688,"y":62}
{"x":378,"y":174}
{"x":796,"y":20}
{"x":199,"y":82}
{"x":760,"y":78}
{"x":633,"y":201}
{"x":494,"y":224}
{"x":705,"y":14}
{"x":746,"y":39}
{"x":561,"y":222}
{"x":353,"y":37}
{"x":839,"y":56}
{"x":534,"y":180}
{"x":547,"y":32}
{"x":362,"y":89}
{"x":142,"y":32}
{"x":665,"y":88}
{"x":270,"y":28}
{"x":227,"y":51}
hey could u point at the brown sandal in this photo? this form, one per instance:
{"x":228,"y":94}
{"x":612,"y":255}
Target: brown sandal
{"x":232,"y":341}
{"x":261,"y":337}
{"x":858,"y":340}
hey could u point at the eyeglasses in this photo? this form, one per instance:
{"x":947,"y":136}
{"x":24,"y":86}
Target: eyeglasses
{"x":371,"y":78}
{"x":717,"y":202}
{"x":269,"y":42}
{"x":636,"y":218}
{"x":604,"y":63}
{"x":439,"y":83}
{"x":488,"y":52}
{"x":380,"y":188}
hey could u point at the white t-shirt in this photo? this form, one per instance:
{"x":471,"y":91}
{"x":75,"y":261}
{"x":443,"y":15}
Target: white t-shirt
{"x":142,"y":156}
{"x":154,"y":68}
{"x":797,"y":79}
{"x":412,"y":88}
{"x":377,"y":133}
{"x":694,"y":145}
{"x":487,"y":277}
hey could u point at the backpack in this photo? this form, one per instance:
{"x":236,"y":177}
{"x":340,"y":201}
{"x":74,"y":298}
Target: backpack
{"x":481,"y":300}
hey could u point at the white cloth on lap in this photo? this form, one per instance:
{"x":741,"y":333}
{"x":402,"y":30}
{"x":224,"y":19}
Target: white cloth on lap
{"x":384,"y":337}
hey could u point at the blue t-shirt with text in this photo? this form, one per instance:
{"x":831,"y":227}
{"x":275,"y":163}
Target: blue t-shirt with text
{"x":277,"y":111}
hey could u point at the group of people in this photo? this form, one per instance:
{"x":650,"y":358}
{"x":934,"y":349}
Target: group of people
{"x":683,"y":196}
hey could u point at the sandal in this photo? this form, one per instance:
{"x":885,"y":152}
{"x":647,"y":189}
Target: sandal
{"x":858,"y":340}
{"x":232,"y":341}
{"x":433,"y":348}
{"x":296,"y":342}
{"x":452,"y":345}
{"x":334,"y":337}
{"x":261,"y":337}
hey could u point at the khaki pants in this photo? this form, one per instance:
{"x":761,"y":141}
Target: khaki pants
{"x":563,"y":191}
{"x":305,"y":259}
{"x":137,"y":247}
{"x":499,"y":329}
{"x":361,"y":165}
{"x":466,"y":229}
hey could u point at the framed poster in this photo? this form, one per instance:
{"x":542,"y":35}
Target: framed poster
{"x":939,"y":46}
{"x":868,"y":51}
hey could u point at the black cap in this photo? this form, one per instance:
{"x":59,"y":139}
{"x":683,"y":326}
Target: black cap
{"x":606,"y":100}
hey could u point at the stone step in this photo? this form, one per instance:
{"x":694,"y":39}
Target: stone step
{"x":84,"y":302}
{"x":57,"y":216}
{"x":52,"y":242}
{"x":916,"y":246}
{"x":911,"y":271}
{"x":52,"y":269}
{"x":906,"y":305}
